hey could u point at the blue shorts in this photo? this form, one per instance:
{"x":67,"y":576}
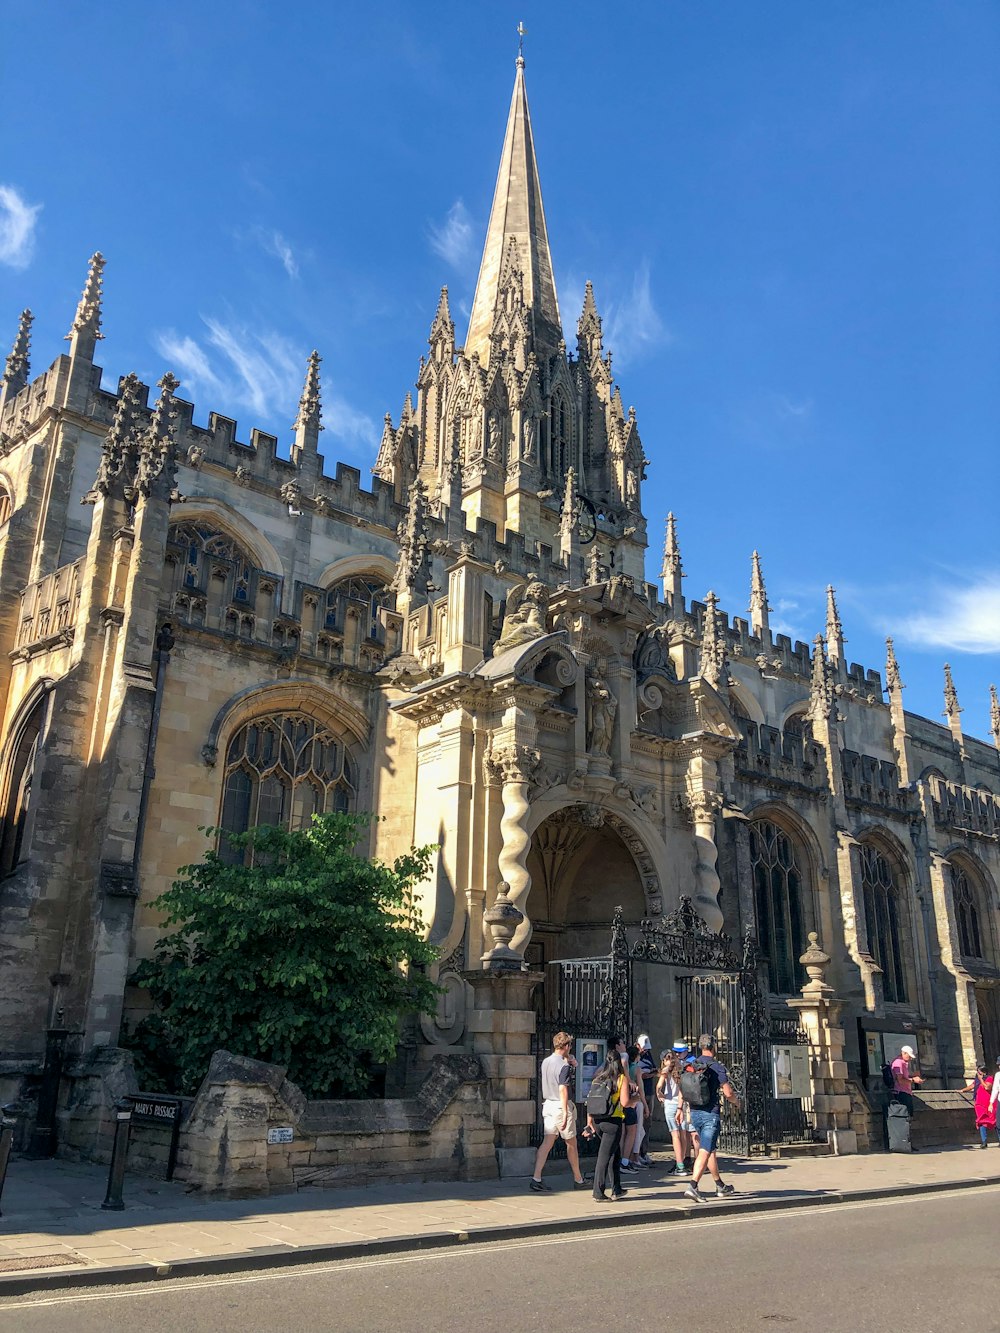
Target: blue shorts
{"x":670,"y":1110}
{"x":707,"y":1125}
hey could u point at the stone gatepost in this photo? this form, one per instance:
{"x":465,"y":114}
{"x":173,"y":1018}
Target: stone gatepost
{"x":500,"y":1026}
{"x":819,"y":1013}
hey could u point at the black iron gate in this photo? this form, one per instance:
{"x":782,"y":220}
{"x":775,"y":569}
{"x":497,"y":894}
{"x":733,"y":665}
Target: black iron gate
{"x":719,"y":991}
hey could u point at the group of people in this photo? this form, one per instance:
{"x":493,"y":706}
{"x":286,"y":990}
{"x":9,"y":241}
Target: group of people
{"x":690,"y":1084}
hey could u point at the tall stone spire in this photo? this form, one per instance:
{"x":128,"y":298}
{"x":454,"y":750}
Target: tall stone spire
{"x":18,"y":368}
{"x":308,"y":423}
{"x":834,"y":629}
{"x":759,"y":608}
{"x":672,"y":571}
{"x":517,"y":215}
{"x":995,"y":716}
{"x":86,"y":330}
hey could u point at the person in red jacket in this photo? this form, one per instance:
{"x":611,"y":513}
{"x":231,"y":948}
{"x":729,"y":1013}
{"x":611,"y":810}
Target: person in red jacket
{"x":986,"y":1115}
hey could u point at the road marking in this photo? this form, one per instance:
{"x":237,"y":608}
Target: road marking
{"x":171,"y":1286}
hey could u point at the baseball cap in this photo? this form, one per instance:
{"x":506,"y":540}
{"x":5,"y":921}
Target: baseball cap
{"x":908,"y":1050}
{"x":643,"y":1042}
{"x":681,"y":1047}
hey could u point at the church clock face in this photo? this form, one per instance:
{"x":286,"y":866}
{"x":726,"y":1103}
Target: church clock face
{"x":586,"y":519}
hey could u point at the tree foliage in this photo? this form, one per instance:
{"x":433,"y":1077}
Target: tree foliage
{"x":307,"y":956}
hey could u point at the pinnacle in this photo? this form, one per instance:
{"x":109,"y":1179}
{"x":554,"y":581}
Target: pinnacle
{"x":951,"y":704}
{"x":17,"y":369}
{"x":88,"y":311}
{"x":671,"y":567}
{"x":310,"y":405}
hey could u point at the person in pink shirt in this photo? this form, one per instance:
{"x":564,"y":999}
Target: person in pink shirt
{"x":900,"y":1109}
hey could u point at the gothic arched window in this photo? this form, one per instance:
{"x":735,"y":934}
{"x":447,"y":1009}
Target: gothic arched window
{"x":970,"y":937}
{"x":17,"y":786}
{"x":281,"y":770}
{"x":368,"y":592}
{"x":882,"y":916}
{"x":201,"y":553}
{"x":5,"y":505}
{"x":777,"y":881}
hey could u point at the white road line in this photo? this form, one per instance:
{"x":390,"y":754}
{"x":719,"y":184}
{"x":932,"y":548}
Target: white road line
{"x":169,"y":1287}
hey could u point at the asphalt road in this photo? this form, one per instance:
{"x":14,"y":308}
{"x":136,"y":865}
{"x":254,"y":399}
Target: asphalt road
{"x":917,"y":1264}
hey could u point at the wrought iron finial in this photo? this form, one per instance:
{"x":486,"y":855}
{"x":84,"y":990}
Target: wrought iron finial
{"x":522,"y":32}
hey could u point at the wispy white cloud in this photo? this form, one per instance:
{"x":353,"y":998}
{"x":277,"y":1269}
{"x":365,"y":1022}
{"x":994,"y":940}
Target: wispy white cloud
{"x":790,"y":410}
{"x":786,"y":618}
{"x":453,"y":238}
{"x":257,"y":369}
{"x":965,"y":619}
{"x":633,"y":325}
{"x":18,"y":219}
{"x":274,"y":243}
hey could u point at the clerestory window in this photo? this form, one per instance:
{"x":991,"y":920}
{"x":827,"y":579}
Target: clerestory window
{"x":368,"y":593}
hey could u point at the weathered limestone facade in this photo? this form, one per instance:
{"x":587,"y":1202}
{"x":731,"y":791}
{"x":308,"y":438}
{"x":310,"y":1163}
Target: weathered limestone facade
{"x":195,"y":630}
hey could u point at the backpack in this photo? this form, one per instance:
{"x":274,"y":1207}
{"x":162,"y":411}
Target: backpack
{"x":699,"y":1084}
{"x":888,"y":1077}
{"x":600,"y":1099}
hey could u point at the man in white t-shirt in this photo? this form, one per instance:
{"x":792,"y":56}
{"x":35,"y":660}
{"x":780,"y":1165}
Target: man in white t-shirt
{"x":558,"y":1112}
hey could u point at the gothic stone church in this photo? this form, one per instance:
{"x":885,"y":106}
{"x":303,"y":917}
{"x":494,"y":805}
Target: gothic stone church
{"x":197,"y":630}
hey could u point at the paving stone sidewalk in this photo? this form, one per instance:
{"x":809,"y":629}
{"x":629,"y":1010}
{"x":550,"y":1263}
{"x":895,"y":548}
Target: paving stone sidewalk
{"x":53,"y":1223}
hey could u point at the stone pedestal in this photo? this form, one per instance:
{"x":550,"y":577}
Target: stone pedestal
{"x":500,"y":1027}
{"x":819,"y":1013}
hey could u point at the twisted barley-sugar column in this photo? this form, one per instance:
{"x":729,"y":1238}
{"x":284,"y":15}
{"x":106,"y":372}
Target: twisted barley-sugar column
{"x":706,"y":874}
{"x":513,"y":859}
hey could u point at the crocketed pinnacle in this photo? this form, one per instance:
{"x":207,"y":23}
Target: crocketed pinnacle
{"x":589,"y":333}
{"x":671,"y":551}
{"x":759,"y":607}
{"x":995,"y":716}
{"x":18,"y":368}
{"x":951,"y":705}
{"x":822,"y":693}
{"x":310,"y":408}
{"x":893,"y":680}
{"x":88,"y":312}
{"x":834,"y":629}
{"x":517,"y":215}
{"x":713,"y":665}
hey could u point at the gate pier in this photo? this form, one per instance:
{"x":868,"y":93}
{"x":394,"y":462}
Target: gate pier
{"x":819,"y":1014}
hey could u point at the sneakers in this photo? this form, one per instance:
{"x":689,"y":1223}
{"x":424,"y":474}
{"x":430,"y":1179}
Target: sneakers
{"x":585,"y":1183}
{"x":695,"y":1195}
{"x":627,"y":1169}
{"x":681,"y":1169}
{"x":725,"y":1189}
{"x":645,"y":1159}
{"x":539,"y":1186}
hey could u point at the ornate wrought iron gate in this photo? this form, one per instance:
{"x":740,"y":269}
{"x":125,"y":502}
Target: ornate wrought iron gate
{"x":719,"y":991}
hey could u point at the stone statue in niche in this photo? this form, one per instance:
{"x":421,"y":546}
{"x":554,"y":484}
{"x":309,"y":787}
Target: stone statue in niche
{"x":494,"y":442}
{"x":530,"y":439}
{"x":524,"y":617}
{"x":601,"y":708}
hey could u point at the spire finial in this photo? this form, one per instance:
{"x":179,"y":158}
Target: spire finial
{"x":17,"y":370}
{"x":822,"y":694}
{"x":87,"y":320}
{"x":714,"y":664}
{"x":834,"y":629}
{"x":995,"y":716}
{"x":759,"y":608}
{"x":671,"y":571}
{"x":522,"y":32}
{"x":892,"y":677}
{"x":951,"y":706}
{"x":309,"y":422}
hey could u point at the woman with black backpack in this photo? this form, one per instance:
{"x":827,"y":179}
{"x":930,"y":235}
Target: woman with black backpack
{"x":609,"y":1096}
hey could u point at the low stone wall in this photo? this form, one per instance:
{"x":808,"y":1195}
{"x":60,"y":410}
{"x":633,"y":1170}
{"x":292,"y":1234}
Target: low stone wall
{"x":942,"y":1118}
{"x":249,"y":1131}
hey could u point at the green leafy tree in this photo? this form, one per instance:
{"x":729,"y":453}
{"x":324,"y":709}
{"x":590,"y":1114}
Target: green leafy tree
{"x":306,"y":956}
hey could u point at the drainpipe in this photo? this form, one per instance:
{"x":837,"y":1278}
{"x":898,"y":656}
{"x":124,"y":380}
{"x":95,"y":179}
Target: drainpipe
{"x":164,"y":643}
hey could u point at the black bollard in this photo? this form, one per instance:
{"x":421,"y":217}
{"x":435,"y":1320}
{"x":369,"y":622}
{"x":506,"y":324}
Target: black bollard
{"x":7,"y":1122}
{"x":119,"y":1154}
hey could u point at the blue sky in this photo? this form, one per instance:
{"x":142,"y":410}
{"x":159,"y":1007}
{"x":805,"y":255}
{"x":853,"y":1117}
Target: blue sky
{"x":790,"y":213}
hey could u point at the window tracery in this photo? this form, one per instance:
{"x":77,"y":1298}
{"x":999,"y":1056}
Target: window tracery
{"x":281,"y":770}
{"x":5,"y":505}
{"x":970,"y":935}
{"x":882,"y":915}
{"x":202,"y":553}
{"x":777,"y":880}
{"x":17,"y":788}
{"x":369,"y":593}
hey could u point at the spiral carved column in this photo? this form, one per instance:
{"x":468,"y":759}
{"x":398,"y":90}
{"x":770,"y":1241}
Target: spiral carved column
{"x":512,"y":766}
{"x":704,"y":806}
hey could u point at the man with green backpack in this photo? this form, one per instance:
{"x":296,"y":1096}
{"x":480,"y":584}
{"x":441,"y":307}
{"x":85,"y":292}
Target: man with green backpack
{"x":704,"y":1082}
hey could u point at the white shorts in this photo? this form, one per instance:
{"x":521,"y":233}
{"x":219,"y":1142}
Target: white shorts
{"x":552,"y":1114}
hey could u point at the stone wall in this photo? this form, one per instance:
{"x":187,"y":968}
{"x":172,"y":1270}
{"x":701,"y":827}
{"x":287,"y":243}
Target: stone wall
{"x":445,"y":1132}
